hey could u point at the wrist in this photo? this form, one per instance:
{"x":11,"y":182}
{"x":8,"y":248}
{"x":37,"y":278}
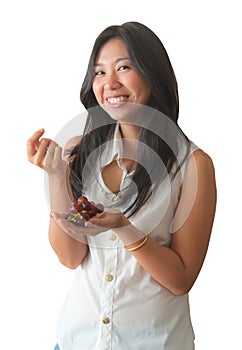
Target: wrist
{"x":124,"y":222}
{"x":59,"y":196}
{"x":57,"y":178}
{"x":137,"y":245}
{"x":129,"y":234}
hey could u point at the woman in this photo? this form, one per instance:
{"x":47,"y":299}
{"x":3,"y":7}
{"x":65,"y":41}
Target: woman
{"x":136,"y":262}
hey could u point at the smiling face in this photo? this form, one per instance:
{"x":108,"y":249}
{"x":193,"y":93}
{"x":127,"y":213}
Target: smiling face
{"x":116,"y":83}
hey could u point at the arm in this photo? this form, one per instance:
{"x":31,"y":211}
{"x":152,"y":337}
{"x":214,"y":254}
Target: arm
{"x":177,"y":267}
{"x":70,"y":252}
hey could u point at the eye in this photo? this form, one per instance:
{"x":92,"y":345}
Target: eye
{"x":123,"y":68}
{"x":100,"y":72}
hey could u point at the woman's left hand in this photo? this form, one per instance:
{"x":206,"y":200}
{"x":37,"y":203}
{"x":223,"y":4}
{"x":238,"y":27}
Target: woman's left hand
{"x":111,"y":219}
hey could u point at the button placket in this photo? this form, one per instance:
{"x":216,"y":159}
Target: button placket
{"x":107,"y":292}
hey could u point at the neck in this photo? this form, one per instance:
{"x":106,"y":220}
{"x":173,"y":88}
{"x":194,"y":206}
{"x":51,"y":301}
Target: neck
{"x":128,"y":131}
{"x":129,"y":134}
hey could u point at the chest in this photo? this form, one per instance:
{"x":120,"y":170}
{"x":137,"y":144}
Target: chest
{"x":113,"y":173}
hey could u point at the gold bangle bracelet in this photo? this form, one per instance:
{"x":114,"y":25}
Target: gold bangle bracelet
{"x":137,"y":246}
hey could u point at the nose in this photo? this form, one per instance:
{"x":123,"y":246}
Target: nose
{"x":111,"y":82}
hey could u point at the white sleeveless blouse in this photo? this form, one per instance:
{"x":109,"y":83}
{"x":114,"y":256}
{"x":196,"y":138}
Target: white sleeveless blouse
{"x":113,"y":303}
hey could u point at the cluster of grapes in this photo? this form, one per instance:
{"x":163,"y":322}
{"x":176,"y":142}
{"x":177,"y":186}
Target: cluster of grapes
{"x":81,"y":210}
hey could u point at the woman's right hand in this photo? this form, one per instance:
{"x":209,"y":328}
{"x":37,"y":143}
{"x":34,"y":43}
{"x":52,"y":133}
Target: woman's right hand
{"x":46,"y":154}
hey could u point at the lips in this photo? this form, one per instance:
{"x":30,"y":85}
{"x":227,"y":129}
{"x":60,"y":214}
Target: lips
{"x":116,"y":99}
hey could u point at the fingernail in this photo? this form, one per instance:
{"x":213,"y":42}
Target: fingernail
{"x":88,"y":224}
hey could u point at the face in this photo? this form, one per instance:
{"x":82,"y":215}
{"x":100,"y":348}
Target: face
{"x":116,"y":83}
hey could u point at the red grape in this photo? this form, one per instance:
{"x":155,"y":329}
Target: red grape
{"x":99,"y":207}
{"x":82,"y":210}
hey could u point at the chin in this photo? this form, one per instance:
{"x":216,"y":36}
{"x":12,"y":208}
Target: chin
{"x":124,"y":112}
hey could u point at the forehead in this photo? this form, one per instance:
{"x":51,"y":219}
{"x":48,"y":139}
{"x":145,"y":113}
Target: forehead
{"x":113,"y":49}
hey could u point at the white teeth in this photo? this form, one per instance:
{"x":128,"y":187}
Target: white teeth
{"x":116,"y":99}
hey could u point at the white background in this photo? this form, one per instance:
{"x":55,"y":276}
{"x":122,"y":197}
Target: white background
{"x":45,"y":46}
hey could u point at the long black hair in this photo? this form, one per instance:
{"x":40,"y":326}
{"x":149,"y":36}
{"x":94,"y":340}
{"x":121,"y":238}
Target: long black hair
{"x":150,"y":59}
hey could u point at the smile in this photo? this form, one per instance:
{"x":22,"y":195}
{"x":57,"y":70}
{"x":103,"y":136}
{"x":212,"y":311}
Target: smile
{"x":116,"y":99}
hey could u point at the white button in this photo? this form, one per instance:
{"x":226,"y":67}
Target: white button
{"x":109,"y":277}
{"x":112,"y":237}
{"x":106,"y":320}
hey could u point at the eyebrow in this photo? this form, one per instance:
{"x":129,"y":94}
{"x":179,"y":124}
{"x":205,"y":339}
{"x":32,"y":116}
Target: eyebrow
{"x":116,"y":61}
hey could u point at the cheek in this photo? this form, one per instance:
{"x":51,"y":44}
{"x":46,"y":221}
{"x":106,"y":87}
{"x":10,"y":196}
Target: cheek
{"x":141,"y":91}
{"x":144,"y":90}
{"x":137,"y":85}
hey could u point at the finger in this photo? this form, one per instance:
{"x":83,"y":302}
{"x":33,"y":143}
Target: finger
{"x":51,"y":152}
{"x":98,"y":220}
{"x":52,"y":146}
{"x":89,"y":224}
{"x":64,"y":224}
{"x":78,"y":233}
{"x":58,"y":153}
{"x":57,"y":216}
{"x":33,"y":142}
{"x":41,"y":152}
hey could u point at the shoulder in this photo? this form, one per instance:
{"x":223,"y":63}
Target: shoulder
{"x":197,"y":199}
{"x":199,"y":176}
{"x":202,"y":161}
{"x":73,"y":142}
